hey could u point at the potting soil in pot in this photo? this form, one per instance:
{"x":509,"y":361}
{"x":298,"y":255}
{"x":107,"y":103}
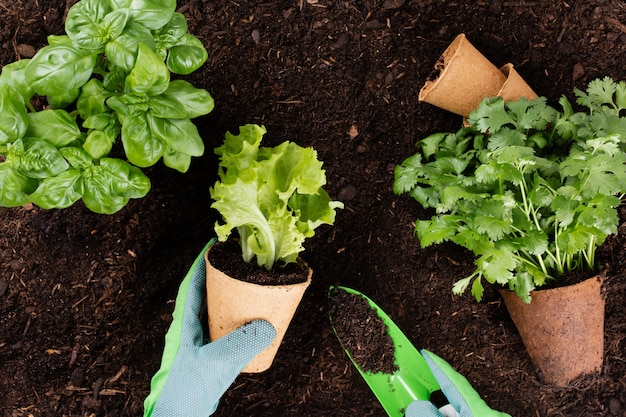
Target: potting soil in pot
{"x":227,"y":258}
{"x":362,"y":332}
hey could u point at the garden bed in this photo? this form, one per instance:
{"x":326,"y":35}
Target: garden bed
{"x":86,"y":299}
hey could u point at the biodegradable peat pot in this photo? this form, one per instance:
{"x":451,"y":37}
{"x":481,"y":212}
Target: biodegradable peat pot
{"x":465,"y":77}
{"x":562,"y":328}
{"x":515,"y":87}
{"x":232,"y":303}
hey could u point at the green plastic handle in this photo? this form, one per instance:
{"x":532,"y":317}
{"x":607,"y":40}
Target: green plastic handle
{"x":413,"y":379}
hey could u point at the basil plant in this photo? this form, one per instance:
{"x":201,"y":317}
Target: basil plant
{"x":107,"y":82}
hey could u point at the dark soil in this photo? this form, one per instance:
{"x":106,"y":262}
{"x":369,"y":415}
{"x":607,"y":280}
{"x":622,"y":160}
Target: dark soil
{"x":86,"y":299}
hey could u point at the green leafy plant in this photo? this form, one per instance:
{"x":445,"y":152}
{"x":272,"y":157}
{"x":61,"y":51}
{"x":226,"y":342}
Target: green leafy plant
{"x":108,"y":80}
{"x":272,"y":196}
{"x":531,"y":190}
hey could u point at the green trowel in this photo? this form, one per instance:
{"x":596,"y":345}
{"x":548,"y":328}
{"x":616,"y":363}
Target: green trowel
{"x":412,"y":380}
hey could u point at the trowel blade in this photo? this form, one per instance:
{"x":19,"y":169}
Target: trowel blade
{"x":411,"y":381}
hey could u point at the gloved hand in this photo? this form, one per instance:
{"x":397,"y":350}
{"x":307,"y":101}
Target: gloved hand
{"x":194,"y":374}
{"x":462,"y":397}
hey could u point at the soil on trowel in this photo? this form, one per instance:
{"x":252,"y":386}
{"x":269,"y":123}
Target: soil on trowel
{"x":362,"y":332}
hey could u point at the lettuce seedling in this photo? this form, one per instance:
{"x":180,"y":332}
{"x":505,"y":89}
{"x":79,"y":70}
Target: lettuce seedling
{"x":107,"y":82}
{"x":272,"y":196}
{"x":531,"y":190}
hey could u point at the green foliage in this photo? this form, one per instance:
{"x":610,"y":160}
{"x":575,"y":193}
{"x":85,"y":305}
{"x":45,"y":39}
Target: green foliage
{"x":107,"y":81}
{"x":273,"y":197}
{"x":532,"y":191}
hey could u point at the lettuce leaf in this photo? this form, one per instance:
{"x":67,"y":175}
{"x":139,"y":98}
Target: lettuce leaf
{"x":272,"y":196}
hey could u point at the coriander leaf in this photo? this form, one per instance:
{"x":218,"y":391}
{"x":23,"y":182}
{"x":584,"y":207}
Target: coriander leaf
{"x":490,"y":115}
{"x":478,"y":289}
{"x":523,"y":285}
{"x":531,"y":114}
{"x":497,"y":264}
{"x":620,"y":95}
{"x":431,"y":144}
{"x":436,"y":230}
{"x":534,"y":241}
{"x":599,"y":92}
{"x":407,"y":173}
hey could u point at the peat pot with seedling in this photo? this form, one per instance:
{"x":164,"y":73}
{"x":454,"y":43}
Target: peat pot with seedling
{"x":273,"y":198}
{"x":532,"y":191}
{"x":82,"y":118}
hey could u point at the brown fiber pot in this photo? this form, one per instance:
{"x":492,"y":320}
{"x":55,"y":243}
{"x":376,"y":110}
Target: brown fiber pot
{"x":232,"y":303}
{"x":562,"y":329}
{"x":465,"y":77}
{"x":515,"y":87}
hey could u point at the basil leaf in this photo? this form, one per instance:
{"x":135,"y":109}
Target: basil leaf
{"x":187,"y":56}
{"x":197,"y":102}
{"x":149,"y":76}
{"x":98,"y":196}
{"x":99,"y":143}
{"x":15,"y":187}
{"x":77,"y":157}
{"x":41,"y":159}
{"x":55,"y":126}
{"x":170,"y":34}
{"x":92,"y":23}
{"x":166,"y":108}
{"x":176,"y":160}
{"x":180,"y":134}
{"x":153,"y":14}
{"x":63,"y":100}
{"x":142,"y":148}
{"x":92,"y":99}
{"x":13,"y":115}
{"x":58,"y":68}
{"x":122,"y":51}
{"x":126,"y":180}
{"x":14,"y":75}
{"x":59,"y":192}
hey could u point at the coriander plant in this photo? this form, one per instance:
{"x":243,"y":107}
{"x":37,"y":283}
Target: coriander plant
{"x":531,"y":190}
{"x":106,"y":81}
{"x":272,"y":196}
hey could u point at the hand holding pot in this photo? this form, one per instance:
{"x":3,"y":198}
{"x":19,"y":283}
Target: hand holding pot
{"x":464,"y":400}
{"x":194,"y":374}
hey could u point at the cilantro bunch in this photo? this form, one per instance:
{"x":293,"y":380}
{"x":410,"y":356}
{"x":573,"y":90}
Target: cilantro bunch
{"x":272,"y":196}
{"x":530,"y":189}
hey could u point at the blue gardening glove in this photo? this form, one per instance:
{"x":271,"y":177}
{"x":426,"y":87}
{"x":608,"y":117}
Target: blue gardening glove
{"x":194,"y":375}
{"x":464,"y":400}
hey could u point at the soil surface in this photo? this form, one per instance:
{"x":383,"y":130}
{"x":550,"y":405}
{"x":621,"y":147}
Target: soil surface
{"x":226,"y":257}
{"x":86,"y":299}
